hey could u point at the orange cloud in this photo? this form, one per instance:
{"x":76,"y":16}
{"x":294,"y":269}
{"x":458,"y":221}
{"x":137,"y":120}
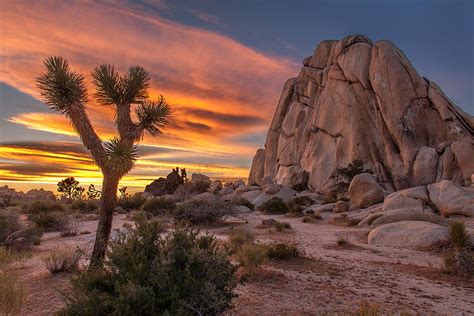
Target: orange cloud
{"x":48,"y":163}
{"x":219,"y":88}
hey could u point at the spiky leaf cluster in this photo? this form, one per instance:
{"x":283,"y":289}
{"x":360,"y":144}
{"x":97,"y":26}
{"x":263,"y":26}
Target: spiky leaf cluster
{"x":153,"y":116}
{"x":112,"y":88}
{"x":60,"y":87}
{"x":122,"y":156}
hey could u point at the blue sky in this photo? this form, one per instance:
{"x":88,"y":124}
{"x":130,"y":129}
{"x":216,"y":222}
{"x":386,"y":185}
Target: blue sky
{"x":437,"y":36}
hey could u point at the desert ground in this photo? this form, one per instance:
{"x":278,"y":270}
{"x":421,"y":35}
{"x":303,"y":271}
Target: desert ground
{"x":327,"y":278}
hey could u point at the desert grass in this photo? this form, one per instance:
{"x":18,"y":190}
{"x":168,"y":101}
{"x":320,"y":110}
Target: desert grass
{"x":64,"y":260}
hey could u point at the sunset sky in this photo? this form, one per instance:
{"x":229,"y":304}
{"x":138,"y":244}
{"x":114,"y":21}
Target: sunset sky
{"x":220,"y":64}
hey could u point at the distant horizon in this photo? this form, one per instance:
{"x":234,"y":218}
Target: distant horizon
{"x":223,"y":77}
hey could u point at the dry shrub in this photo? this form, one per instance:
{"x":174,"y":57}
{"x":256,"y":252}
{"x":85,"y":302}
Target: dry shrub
{"x":251,"y":256}
{"x":368,"y":309}
{"x":203,"y":212}
{"x":311,"y":217}
{"x":280,"y":226}
{"x":8,"y":256}
{"x":239,"y":237}
{"x":342,"y":242}
{"x":15,"y":235}
{"x":67,"y":227}
{"x":459,"y":259}
{"x":12,"y":294}
{"x":63,"y":260}
{"x":282,"y":251}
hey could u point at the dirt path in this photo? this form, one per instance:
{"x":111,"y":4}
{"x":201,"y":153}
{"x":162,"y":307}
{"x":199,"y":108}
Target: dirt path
{"x":328,"y":279}
{"x":333,"y":279}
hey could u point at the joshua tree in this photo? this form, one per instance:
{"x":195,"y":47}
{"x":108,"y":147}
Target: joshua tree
{"x":70,"y":189}
{"x":93,"y":193}
{"x":64,"y":90}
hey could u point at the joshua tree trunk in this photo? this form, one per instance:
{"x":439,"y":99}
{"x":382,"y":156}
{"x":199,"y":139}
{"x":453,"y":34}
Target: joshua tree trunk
{"x":107,"y":205}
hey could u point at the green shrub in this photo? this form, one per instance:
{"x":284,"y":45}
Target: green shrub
{"x":63,"y":260}
{"x":251,"y":256}
{"x":45,"y":214}
{"x":159,"y":206}
{"x":343,"y":177}
{"x":47,"y":221}
{"x":84,"y":207}
{"x":32,"y":234}
{"x":354,"y":168}
{"x":141,"y":216}
{"x":274,"y":206}
{"x":44,"y":207}
{"x":146,"y":274}
{"x":280,"y":226}
{"x":282,"y":251}
{"x":201,"y":212}
{"x":16,"y":236}
{"x":239,"y":237}
{"x":131,"y":203}
{"x":459,"y":258}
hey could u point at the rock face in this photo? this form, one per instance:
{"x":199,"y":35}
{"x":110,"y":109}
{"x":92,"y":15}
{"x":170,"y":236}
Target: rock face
{"x":355,"y":99}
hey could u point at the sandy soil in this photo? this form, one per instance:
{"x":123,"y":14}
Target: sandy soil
{"x":327,"y":279}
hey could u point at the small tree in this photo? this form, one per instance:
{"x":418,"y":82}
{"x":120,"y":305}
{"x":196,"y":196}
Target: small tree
{"x":64,"y":90}
{"x":93,"y":193}
{"x":70,"y":189}
{"x":123,"y":193}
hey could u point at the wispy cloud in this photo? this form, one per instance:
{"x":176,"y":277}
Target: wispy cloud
{"x":219,"y":88}
{"x":206,"y":17}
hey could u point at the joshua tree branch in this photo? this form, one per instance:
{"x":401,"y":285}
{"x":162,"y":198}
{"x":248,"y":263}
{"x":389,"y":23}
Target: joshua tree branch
{"x":125,"y":126}
{"x":91,"y":140}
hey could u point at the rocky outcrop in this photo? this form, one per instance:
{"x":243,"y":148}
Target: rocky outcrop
{"x":163,"y":186}
{"x":355,"y":99}
{"x":10,"y":194}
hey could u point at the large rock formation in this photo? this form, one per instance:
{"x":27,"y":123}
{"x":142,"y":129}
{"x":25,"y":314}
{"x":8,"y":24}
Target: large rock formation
{"x":355,"y":99}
